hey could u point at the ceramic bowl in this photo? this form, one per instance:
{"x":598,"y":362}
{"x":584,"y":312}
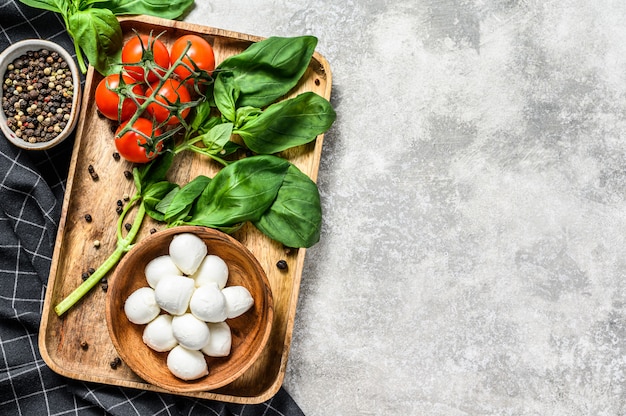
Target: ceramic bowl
{"x":250,"y":331}
{"x":18,"y":49}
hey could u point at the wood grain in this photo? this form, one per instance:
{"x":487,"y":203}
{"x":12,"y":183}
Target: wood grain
{"x":60,"y":338}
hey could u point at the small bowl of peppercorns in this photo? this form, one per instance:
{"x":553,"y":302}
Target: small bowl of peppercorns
{"x":40,"y":94}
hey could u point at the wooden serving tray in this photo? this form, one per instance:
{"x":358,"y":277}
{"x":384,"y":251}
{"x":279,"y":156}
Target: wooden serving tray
{"x":60,"y":339}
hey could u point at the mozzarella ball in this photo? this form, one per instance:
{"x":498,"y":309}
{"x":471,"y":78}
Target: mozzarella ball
{"x":158,"y":334}
{"x":190,"y":332}
{"x":172,"y":293}
{"x":159,"y":267}
{"x":212,"y":269}
{"x":208,"y":303}
{"x":220,"y":340}
{"x":187,"y":364}
{"x":141,"y":306}
{"x":238,"y":300}
{"x":187,"y":251}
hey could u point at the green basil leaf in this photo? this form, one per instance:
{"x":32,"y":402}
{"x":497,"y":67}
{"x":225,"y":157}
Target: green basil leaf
{"x":202,"y":120}
{"x":51,"y":5}
{"x":245,"y":115}
{"x":183,"y":199}
{"x":269,"y":69}
{"x":225,"y":93}
{"x":153,"y":195}
{"x":167,"y":9}
{"x":152,"y":172}
{"x":288,"y":123}
{"x":165,"y":202}
{"x":216,"y":138}
{"x":240,"y":192}
{"x":295,"y":217}
{"x":98,"y":34}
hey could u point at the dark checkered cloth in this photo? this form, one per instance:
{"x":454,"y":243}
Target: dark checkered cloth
{"x":32,"y":185}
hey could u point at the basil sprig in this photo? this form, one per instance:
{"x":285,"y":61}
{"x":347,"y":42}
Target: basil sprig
{"x":93,"y":25}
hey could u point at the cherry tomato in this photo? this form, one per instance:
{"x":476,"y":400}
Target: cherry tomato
{"x":129,"y":144}
{"x":108,"y":101}
{"x":200,"y":52}
{"x":133,"y":52}
{"x":172,"y":91}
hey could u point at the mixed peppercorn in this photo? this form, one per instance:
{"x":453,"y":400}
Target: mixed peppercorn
{"x":37,"y":94}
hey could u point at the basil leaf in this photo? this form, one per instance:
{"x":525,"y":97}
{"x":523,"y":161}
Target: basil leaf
{"x":216,"y":138}
{"x":288,"y":123}
{"x":167,"y":9}
{"x":240,"y":192}
{"x":51,"y":5}
{"x":152,"y":172}
{"x":183,"y":199}
{"x":202,"y":120}
{"x":99,"y":35}
{"x":269,"y":69}
{"x":153,"y":195}
{"x":165,"y":202}
{"x":225,"y":93}
{"x":295,"y":217}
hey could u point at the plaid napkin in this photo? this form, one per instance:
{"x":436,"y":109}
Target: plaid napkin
{"x":32,"y":185}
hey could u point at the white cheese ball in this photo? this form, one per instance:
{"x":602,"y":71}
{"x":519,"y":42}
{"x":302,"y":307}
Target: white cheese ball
{"x":220,"y":340}
{"x":159,"y":267}
{"x":187,"y":364}
{"x":158,"y":334}
{"x":187,"y":251}
{"x":190,"y":332}
{"x":212,"y":269}
{"x":208,"y":303}
{"x":238,"y":300}
{"x":172,"y":294}
{"x":141,"y":306}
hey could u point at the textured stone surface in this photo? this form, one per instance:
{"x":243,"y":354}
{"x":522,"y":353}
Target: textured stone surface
{"x":472,"y":256}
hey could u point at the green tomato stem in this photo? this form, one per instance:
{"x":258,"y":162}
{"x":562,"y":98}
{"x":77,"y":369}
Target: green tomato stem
{"x":123,"y":245}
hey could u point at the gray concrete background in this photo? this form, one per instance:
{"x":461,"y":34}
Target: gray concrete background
{"x":472,"y":257}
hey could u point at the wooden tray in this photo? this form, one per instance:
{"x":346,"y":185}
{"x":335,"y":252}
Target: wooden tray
{"x":60,"y":338}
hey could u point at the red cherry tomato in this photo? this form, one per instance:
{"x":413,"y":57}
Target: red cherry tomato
{"x":108,"y":101}
{"x":171,"y":92}
{"x":200,"y":52}
{"x":129,"y":144}
{"x":133,"y":52}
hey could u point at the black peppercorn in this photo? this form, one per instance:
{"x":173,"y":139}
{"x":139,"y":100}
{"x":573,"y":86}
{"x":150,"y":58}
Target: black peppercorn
{"x":128,"y":174}
{"x":84,"y":345}
{"x":88,"y":218}
{"x":116,"y":156}
{"x":115,"y":363}
{"x":282,"y":264}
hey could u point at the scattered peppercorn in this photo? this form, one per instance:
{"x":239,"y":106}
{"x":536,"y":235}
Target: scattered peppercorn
{"x":119,"y":210}
{"x":116,"y":156}
{"x":119,"y":203}
{"x":84,"y":275}
{"x":128,"y":174}
{"x":153,"y":230}
{"x":128,"y":226}
{"x":115,"y":363}
{"x":92,"y":270}
{"x":96,"y":243}
{"x":282,"y":264}
{"x":88,"y":218}
{"x":317,"y":81}
{"x":37,"y":94}
{"x":84,"y":345}
{"x":92,"y":172}
{"x":105,"y":286}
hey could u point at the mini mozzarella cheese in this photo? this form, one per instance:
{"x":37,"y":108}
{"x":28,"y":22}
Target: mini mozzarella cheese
{"x":190,"y":332}
{"x":220,"y":341}
{"x":158,"y":334}
{"x":159,"y":267}
{"x":187,"y":364}
{"x":187,"y":251}
{"x":238,"y":300}
{"x":212,"y":269}
{"x":141,"y":306}
{"x":172,"y":293}
{"x":208,"y":303}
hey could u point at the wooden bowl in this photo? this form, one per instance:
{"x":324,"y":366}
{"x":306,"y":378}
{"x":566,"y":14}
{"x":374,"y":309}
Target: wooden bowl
{"x":20,"y":48}
{"x":250,"y":331}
